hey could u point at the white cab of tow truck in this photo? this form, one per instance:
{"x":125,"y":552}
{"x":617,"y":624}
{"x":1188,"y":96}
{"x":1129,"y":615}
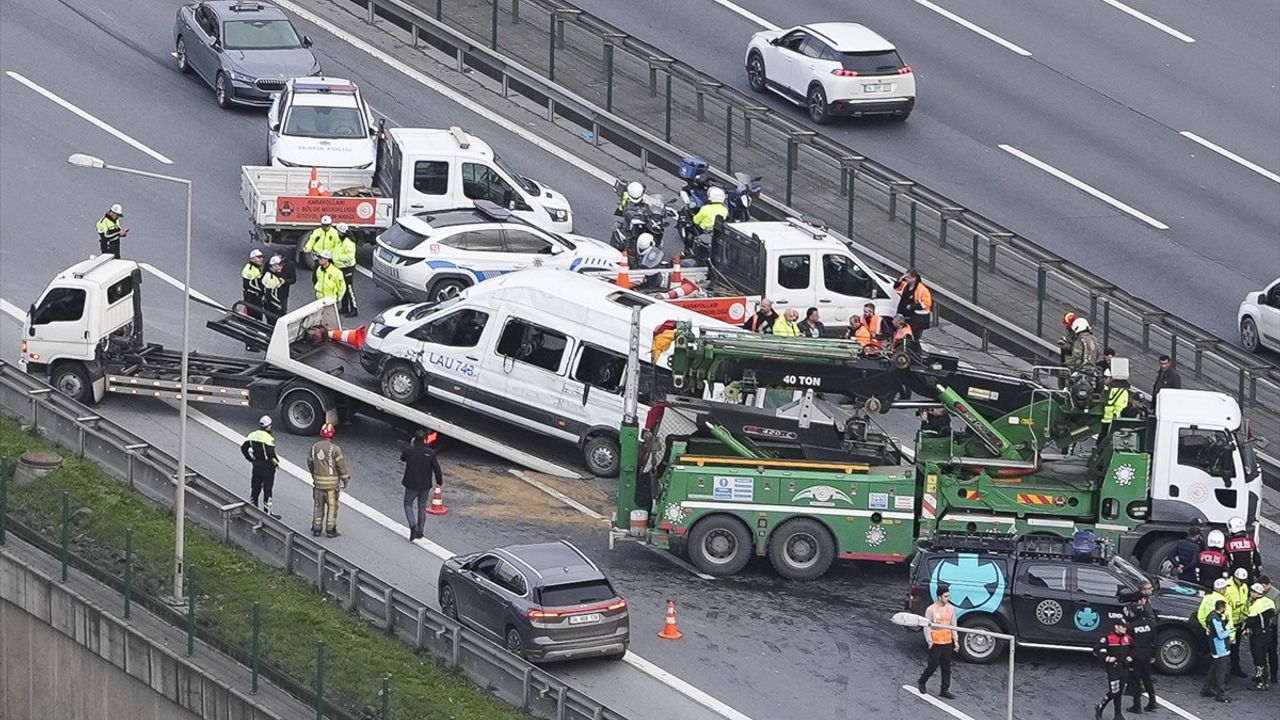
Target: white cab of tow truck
{"x":323,"y":123}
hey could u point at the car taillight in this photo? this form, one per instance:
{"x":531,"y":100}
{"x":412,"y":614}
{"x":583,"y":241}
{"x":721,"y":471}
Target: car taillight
{"x":904,"y":70}
{"x":542,"y":615}
{"x":841,"y":72}
{"x":621,"y":604}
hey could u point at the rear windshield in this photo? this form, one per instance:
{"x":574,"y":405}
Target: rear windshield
{"x":399,"y":238}
{"x":872,"y":63}
{"x":580,"y":593}
{"x":260,"y":35}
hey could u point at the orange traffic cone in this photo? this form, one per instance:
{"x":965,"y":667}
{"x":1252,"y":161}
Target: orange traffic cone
{"x":684,"y":289}
{"x":437,"y":502}
{"x":314,"y":188}
{"x":676,"y":277}
{"x":670,"y":631}
{"x":624,"y":272}
{"x":354,"y":338}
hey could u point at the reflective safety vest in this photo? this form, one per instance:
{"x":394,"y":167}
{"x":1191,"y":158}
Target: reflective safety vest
{"x":1117,"y":401}
{"x":1206,"y":607}
{"x":942,"y":616}
{"x":868,"y":331}
{"x":108,"y":229}
{"x":329,"y":282}
{"x":903,"y":333}
{"x":706,"y":216}
{"x":1261,"y":606}
{"x":1237,"y":601}
{"x":344,"y":255}
{"x":322,"y":239}
{"x":784,"y":327}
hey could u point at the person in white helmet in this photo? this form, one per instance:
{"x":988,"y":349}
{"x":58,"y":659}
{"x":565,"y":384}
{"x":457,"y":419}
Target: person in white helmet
{"x":321,"y":239}
{"x":1242,"y":550}
{"x":251,"y":288}
{"x":1085,"y":351}
{"x":713,"y":210}
{"x":275,"y":288}
{"x":259,"y":448}
{"x":344,"y":257}
{"x":1211,"y":563}
{"x":650,"y":258}
{"x":632,"y":195}
{"x":1237,"y":593}
{"x":329,"y":281}
{"x":110,"y":232}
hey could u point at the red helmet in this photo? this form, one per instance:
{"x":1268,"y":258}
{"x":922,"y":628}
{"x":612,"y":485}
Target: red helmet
{"x":327,"y":430}
{"x":1068,"y":319}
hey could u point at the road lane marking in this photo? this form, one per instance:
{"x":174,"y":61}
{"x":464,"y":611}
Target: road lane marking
{"x":100,"y":124}
{"x":13,"y":310}
{"x":975,"y":28}
{"x":556,"y":494}
{"x":1149,"y":20}
{"x":492,"y":116}
{"x":1273,"y":177}
{"x":1269,"y":524}
{"x":1176,"y":710}
{"x":1084,"y":187}
{"x":745,"y":13}
{"x":683,"y":687}
{"x":178,"y":284}
{"x":944,"y":707}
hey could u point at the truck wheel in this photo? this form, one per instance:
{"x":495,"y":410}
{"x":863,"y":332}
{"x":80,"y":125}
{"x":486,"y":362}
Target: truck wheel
{"x":802,"y":549}
{"x":720,"y":545}
{"x":1156,"y":559}
{"x":72,"y":379}
{"x":1175,"y":652}
{"x":602,"y":456}
{"x":400,"y":383}
{"x":981,"y":649}
{"x":301,"y":412}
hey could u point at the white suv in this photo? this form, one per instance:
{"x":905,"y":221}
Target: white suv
{"x":834,"y":69}
{"x":1259,"y":319}
{"x":434,"y":256}
{"x":321,"y":122}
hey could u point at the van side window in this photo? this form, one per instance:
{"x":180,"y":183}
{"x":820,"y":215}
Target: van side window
{"x":600,"y":368}
{"x":841,"y":275}
{"x":480,"y":182}
{"x":532,"y":344}
{"x":793,"y":272}
{"x":60,"y":305}
{"x":457,"y":329}
{"x":1048,"y":577}
{"x":431,"y":177}
{"x":120,"y":290}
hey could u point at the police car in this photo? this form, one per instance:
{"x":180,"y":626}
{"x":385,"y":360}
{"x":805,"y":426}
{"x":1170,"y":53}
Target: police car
{"x":1047,"y":593}
{"x":321,"y":122}
{"x":434,"y":256}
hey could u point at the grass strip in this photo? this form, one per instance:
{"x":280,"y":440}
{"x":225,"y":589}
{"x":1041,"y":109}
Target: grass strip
{"x":294,"y":615}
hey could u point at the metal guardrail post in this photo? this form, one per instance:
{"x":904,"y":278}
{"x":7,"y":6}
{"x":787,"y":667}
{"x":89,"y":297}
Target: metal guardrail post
{"x":34,"y":396}
{"x":747,"y":113}
{"x":1173,"y":348}
{"x":320,"y":680}
{"x":1106,"y":323}
{"x":896,"y":187}
{"x":728,"y":138}
{"x":608,"y":76}
{"x":945,"y":216}
{"x":666,"y":135}
{"x":915,"y":206}
{"x":993,"y":246}
{"x":493,"y":27}
{"x":191,"y":609}
{"x":551,"y":50}
{"x":700,"y":88}
{"x":65,"y":553}
{"x":128,"y":573}
{"x":1240,"y":388}
{"x":973,"y":289}
{"x":1042,"y":276}
{"x":515,"y":12}
{"x":4,"y":505}
{"x":439,"y":9}
{"x":255,"y":647}
{"x":371,"y":14}
{"x":792,"y":151}
{"x":385,"y":696}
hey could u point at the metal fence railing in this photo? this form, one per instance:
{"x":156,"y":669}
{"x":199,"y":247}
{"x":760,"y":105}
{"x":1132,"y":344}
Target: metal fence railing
{"x":152,"y":472}
{"x":633,"y":96}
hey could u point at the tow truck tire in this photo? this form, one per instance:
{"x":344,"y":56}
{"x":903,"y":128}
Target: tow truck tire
{"x":71,"y":379}
{"x":1175,"y":652}
{"x":980,"y":649}
{"x":301,"y":412}
{"x":602,"y":455}
{"x":399,"y":382}
{"x":802,"y":549}
{"x":720,"y":545}
{"x":1156,"y":555}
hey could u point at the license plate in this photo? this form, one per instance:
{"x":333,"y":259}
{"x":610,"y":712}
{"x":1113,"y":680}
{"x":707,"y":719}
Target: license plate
{"x":880,"y":87}
{"x":386,"y":255}
{"x":584,"y":619}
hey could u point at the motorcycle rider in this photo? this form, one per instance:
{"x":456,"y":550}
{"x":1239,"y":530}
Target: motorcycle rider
{"x":1242,"y":551}
{"x":633,"y":195}
{"x":705,"y":218}
{"x":1211,"y":563}
{"x":649,"y":257}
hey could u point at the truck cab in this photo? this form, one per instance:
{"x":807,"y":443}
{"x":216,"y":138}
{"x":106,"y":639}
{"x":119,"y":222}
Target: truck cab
{"x":432,"y":169}
{"x":800,"y":265}
{"x":323,"y":123}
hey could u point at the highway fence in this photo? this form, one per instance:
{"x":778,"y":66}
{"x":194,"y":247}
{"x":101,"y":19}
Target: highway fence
{"x":152,"y":472}
{"x":1003,"y":287}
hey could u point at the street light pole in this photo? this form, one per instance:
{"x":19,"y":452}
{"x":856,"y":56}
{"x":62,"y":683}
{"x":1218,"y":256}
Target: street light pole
{"x":912,"y":620}
{"x":180,"y":491}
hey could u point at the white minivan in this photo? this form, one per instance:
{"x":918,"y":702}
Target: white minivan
{"x":542,"y":349}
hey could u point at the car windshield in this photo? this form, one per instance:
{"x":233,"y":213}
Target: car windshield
{"x":322,"y":121}
{"x":579,"y":593}
{"x":259,"y":35}
{"x":1131,"y":574}
{"x":871,"y":63}
{"x":400,"y":238}
{"x":525,"y":182}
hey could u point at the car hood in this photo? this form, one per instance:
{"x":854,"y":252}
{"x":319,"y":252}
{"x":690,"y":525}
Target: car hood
{"x":297,"y":62}
{"x":1176,"y":598}
{"x":399,"y":315}
{"x":325,"y":152}
{"x":594,"y":248}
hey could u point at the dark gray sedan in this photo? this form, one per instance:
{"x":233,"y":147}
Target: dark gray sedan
{"x":542,"y":602}
{"x":244,"y":50}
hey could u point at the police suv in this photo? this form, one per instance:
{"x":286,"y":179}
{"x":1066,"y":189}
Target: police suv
{"x":1047,"y":593}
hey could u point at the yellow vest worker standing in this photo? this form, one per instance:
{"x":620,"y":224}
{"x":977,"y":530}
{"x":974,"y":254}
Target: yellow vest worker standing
{"x":942,"y":642}
{"x":329,"y":282}
{"x":328,"y":470}
{"x":110,"y":232}
{"x":344,"y":257}
{"x":259,"y":448}
{"x":323,"y":238}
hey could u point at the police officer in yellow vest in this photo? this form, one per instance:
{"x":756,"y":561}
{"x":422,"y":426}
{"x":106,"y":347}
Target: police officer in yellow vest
{"x":1219,"y":592}
{"x":714,"y":209}
{"x":328,"y":470}
{"x":1260,"y":621}
{"x":1117,"y":395}
{"x":1237,"y":593}
{"x":321,"y":239}
{"x":344,"y":257}
{"x":110,"y":232}
{"x":329,"y":282}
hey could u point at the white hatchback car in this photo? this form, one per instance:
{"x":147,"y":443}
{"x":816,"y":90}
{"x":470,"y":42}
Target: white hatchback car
{"x":1259,"y":319}
{"x":833,"y":69}
{"x":321,"y":122}
{"x":434,"y":256}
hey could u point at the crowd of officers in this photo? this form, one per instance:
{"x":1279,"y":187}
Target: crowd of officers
{"x":331,"y":248}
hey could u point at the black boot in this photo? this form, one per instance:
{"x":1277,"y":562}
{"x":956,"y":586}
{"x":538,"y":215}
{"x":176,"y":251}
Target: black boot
{"x":1097,"y":711}
{"x":1135,"y":708}
{"x":1151,"y":704}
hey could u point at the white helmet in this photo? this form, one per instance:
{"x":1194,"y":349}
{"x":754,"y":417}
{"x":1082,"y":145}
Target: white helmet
{"x":117,"y":210}
{"x":276,"y":260}
{"x":1215,"y":539}
{"x":635,"y":190}
{"x":1242,"y":575}
{"x":1079,"y":325}
{"x":1235,"y":525}
{"x":644,"y":243}
{"x":264,"y":421}
{"x":342,"y":227}
{"x":1220,"y":584}
{"x":326,"y":220}
{"x":715,"y":195}
{"x":255,"y":253}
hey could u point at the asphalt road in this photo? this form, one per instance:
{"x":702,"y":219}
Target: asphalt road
{"x":767,"y":648}
{"x":1104,"y":97}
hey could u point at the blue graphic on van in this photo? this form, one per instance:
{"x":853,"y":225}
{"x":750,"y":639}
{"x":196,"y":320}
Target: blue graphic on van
{"x":976,"y":584}
{"x":1087,"y":619}
{"x":451,"y":364}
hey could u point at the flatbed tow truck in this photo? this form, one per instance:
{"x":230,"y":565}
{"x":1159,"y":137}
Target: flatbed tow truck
{"x":85,"y":333}
{"x":813,"y":481}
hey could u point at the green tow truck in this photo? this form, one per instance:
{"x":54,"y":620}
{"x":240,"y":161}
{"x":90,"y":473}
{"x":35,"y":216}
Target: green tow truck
{"x":718,"y":472}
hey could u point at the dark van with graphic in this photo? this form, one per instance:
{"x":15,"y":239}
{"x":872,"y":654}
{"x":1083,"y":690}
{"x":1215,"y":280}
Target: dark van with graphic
{"x":1047,"y":595}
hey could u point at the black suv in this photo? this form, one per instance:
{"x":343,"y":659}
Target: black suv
{"x":1047,"y":595}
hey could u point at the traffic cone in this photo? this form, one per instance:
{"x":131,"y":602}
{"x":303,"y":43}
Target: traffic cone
{"x":354,"y":338}
{"x":314,"y":187}
{"x":670,"y":631}
{"x":624,"y":272}
{"x":676,"y":277}
{"x":437,"y":502}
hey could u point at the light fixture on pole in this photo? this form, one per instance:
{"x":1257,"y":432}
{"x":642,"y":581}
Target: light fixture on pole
{"x":180,"y":494}
{"x":912,"y":620}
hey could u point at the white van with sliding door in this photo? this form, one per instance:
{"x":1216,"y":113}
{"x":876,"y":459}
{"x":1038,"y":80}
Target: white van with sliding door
{"x":542,"y":349}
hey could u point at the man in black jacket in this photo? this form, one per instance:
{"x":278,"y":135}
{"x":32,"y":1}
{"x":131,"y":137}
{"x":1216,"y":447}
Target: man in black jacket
{"x":1142,"y":648}
{"x":421,"y":473}
{"x":1166,"y":378}
{"x":259,"y":448}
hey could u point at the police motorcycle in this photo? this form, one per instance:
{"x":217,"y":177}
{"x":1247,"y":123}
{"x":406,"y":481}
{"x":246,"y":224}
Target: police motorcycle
{"x":638,"y":213}
{"x":744,"y":194}
{"x":696,"y":174}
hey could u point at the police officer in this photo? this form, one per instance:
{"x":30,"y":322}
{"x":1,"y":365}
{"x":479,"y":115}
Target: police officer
{"x":713,"y":210}
{"x":1271,"y":592}
{"x":1242,"y":550}
{"x":344,"y":258}
{"x":328,"y":469}
{"x":1211,"y":563}
{"x":650,"y":258}
{"x":1260,"y":621}
{"x":1142,"y":634}
{"x":1237,"y":593}
{"x":1115,"y":652}
{"x":329,"y":282}
{"x":323,"y":238}
{"x":275,"y":289}
{"x":633,"y":195}
{"x":251,"y":284}
{"x":259,"y":448}
{"x":110,"y":232}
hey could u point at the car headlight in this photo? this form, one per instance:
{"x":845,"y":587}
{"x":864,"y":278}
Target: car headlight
{"x":379,"y":330}
{"x":558,"y":214}
{"x":240,"y":77}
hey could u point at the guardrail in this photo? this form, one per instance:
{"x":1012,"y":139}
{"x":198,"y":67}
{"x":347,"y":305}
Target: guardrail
{"x":152,"y":472}
{"x":988,"y":279}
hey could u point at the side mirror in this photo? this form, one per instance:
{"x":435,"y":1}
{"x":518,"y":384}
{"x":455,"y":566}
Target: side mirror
{"x":511,"y":204}
{"x":217,"y":45}
{"x":775,"y":41}
{"x":275,"y":127}
{"x":306,"y":41}
{"x":556,"y":249}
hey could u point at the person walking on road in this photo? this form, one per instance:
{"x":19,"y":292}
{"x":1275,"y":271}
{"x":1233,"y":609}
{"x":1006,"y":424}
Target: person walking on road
{"x":344,"y":258}
{"x":1114,"y":649}
{"x":110,"y":232}
{"x":421,"y":474}
{"x":1142,"y":646}
{"x":1261,"y":624}
{"x":329,"y":474}
{"x":1218,"y":628}
{"x":259,"y":448}
{"x":942,"y":642}
{"x":1167,"y":378}
{"x":329,"y":282}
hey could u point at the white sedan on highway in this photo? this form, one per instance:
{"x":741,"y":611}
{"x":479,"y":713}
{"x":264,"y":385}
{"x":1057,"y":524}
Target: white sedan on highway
{"x":833,"y":69}
{"x":1259,"y":319}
